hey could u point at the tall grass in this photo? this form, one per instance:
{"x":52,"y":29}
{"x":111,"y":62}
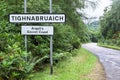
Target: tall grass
{"x":75,"y":68}
{"x":109,"y":46}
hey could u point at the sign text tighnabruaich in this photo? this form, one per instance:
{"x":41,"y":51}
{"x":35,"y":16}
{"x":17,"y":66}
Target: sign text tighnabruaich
{"x":36,"y":18}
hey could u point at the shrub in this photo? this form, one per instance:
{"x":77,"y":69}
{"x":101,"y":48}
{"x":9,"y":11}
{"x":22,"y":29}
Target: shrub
{"x":65,"y":38}
{"x":61,"y":56}
{"x":17,"y":64}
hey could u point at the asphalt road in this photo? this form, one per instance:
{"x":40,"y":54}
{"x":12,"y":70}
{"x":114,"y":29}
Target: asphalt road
{"x":110,"y":59}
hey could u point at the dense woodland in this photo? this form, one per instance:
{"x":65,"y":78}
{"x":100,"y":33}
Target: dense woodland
{"x":17,"y":64}
{"x":110,"y":25}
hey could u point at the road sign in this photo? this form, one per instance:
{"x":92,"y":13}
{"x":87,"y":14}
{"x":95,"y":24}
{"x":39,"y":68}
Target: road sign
{"x":37,"y":30}
{"x":37,"y":18}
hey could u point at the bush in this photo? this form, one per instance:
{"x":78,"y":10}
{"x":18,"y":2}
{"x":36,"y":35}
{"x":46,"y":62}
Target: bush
{"x":61,"y":56}
{"x":17,"y":64}
{"x":65,"y":38}
{"x":9,"y":34}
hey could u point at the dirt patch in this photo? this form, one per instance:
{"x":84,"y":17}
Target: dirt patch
{"x":97,"y":73}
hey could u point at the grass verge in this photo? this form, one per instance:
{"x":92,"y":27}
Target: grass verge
{"x":108,"y":46}
{"x":74,"y":68}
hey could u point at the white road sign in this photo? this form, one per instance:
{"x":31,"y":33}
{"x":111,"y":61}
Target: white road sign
{"x":37,"y":30}
{"x":36,"y":18}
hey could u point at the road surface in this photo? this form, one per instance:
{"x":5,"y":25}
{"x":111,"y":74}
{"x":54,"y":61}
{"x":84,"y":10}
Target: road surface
{"x":110,"y":59}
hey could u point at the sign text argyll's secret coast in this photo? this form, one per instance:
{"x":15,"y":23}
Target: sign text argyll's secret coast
{"x":37,"y":30}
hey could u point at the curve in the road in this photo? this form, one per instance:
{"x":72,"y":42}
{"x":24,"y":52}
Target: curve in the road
{"x":110,"y":59}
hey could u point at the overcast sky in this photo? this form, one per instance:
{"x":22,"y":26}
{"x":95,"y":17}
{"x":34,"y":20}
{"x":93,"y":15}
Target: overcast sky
{"x":99,"y":10}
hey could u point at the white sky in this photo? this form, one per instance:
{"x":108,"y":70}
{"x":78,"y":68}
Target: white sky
{"x":99,"y":10}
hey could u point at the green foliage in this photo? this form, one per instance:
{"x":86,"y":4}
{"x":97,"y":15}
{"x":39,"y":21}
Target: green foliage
{"x":9,"y":35}
{"x":61,"y":56}
{"x":3,"y":7}
{"x":110,"y":24}
{"x":93,"y":26}
{"x":16,"y":64}
{"x":67,"y":37}
{"x":74,"y":68}
{"x":42,"y":6}
{"x":38,"y":45}
{"x":114,"y":41}
{"x":110,"y":46}
{"x":94,"y":31}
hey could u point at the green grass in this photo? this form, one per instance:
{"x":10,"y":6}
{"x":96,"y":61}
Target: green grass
{"x":108,"y":46}
{"x":74,"y":68}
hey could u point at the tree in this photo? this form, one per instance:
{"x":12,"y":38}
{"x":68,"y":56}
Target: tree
{"x":110,"y":22}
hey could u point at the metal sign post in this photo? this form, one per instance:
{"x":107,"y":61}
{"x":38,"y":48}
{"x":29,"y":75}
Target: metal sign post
{"x":25,"y":11}
{"x":51,"y":45}
{"x":38,"y":30}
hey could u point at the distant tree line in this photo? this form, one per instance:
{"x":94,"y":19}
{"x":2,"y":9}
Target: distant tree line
{"x":110,"y":24}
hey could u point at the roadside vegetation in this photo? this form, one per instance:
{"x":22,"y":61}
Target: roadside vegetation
{"x":18,"y":64}
{"x":110,"y":26}
{"x":108,"y":46}
{"x":73,"y":68}
{"x":93,"y":28}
